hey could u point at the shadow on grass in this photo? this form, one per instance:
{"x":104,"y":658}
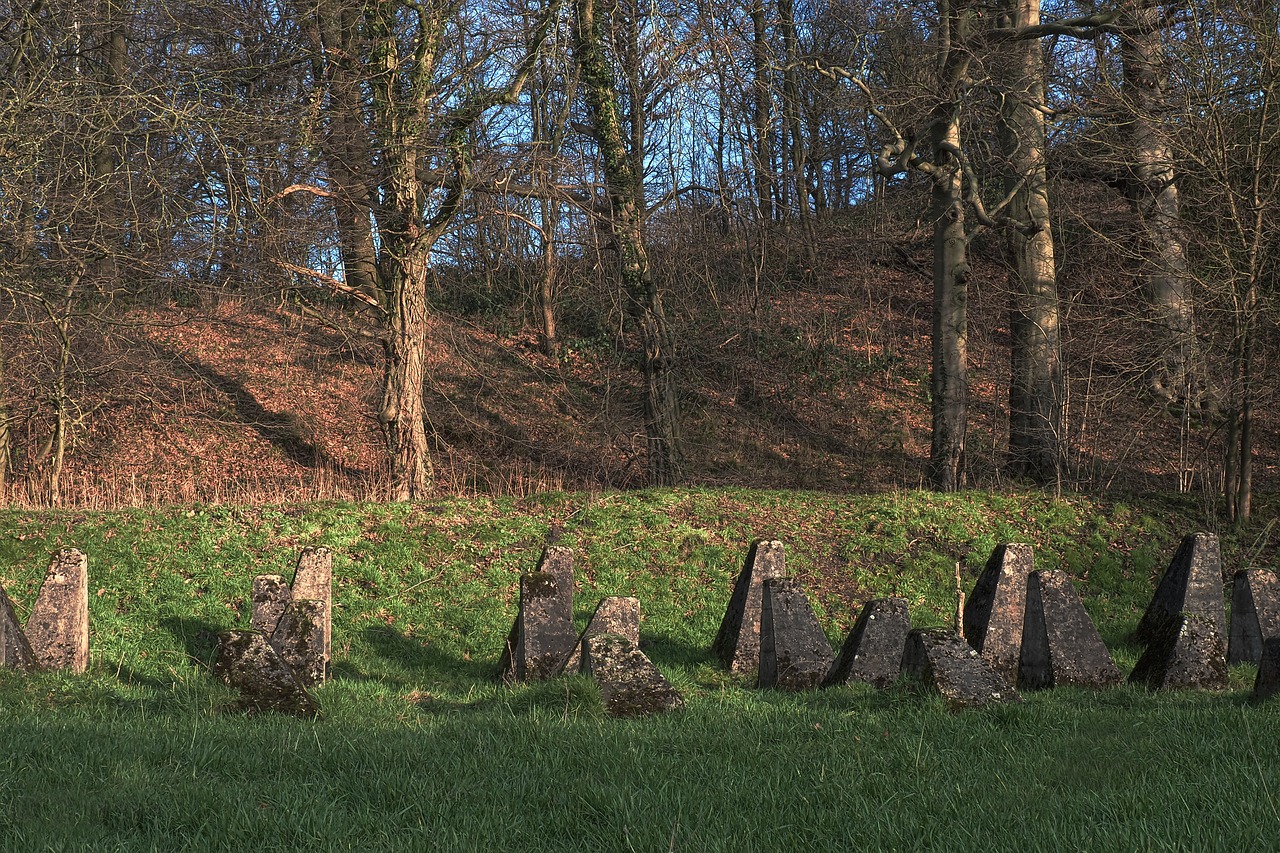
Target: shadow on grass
{"x":665,"y":650}
{"x":407,"y":659}
{"x":199,"y":639}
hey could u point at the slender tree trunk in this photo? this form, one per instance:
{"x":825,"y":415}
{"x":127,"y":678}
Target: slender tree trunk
{"x":796,"y":152}
{"x":950,"y":376}
{"x":1035,"y":386}
{"x":643,"y":300}
{"x":761,"y":105}
{"x":1176,"y":374}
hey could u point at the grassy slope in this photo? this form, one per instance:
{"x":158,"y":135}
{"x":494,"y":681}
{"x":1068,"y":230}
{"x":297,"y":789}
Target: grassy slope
{"x":419,"y":747}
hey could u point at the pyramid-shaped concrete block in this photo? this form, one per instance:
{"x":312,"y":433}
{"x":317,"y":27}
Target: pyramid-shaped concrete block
{"x":630,"y":685}
{"x":1061,"y":646}
{"x":1255,"y":614}
{"x":313,"y":581}
{"x":269,"y":597}
{"x":616,"y":614}
{"x":249,"y":664}
{"x":299,"y":640}
{"x":58,"y":627}
{"x":938,"y":660}
{"x":994,"y":612}
{"x":737,"y":643}
{"x":794,"y":652}
{"x":15,"y":651}
{"x":557,"y":561}
{"x":1267,"y":683}
{"x":543,"y":636}
{"x":1189,"y":653}
{"x":1191,"y":584}
{"x":872,"y":652}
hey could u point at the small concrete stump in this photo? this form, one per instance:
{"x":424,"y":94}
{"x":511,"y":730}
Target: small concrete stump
{"x":940,"y":660}
{"x":1191,"y":584}
{"x":247,"y":663}
{"x":616,"y":614}
{"x":794,"y":652}
{"x":58,"y":626}
{"x":994,"y":612}
{"x":15,"y":651}
{"x":1267,"y":684}
{"x":630,"y":685}
{"x":270,"y":596}
{"x":737,"y":643}
{"x":313,"y":581}
{"x":1255,"y":614}
{"x":1060,"y":644}
{"x":1189,"y":653}
{"x":873,"y":650}
{"x":299,"y":640}
{"x":543,"y":635}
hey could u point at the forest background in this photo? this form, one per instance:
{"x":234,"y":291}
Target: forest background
{"x":261,"y":251}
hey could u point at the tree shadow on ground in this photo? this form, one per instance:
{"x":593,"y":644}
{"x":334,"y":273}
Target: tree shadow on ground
{"x":281,"y":429}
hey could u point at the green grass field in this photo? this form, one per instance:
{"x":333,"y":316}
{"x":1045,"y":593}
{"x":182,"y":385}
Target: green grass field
{"x":419,"y":747}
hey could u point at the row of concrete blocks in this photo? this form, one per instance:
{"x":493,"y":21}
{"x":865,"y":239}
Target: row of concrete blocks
{"x":1021,"y":629}
{"x":1024,"y":628}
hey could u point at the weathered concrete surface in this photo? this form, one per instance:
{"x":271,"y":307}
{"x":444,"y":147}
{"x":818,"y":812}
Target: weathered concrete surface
{"x":543,"y":636}
{"x":268,"y":599}
{"x":994,"y":612}
{"x":58,"y":626}
{"x":616,"y":614}
{"x":1060,"y":644}
{"x":557,"y":561}
{"x":737,"y":643}
{"x":1190,"y":652}
{"x":873,"y":650}
{"x":313,"y":581}
{"x":15,"y":651}
{"x":794,"y":652}
{"x":1191,"y":584}
{"x":939,"y":660}
{"x":247,"y":663}
{"x":1255,"y":614}
{"x":299,"y":640}
{"x":630,"y":685}
{"x":1267,"y":684}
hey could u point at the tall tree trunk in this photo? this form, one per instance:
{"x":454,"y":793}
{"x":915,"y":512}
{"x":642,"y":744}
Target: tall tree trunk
{"x":761,"y":108}
{"x":1035,"y":385}
{"x":950,"y":376}
{"x":796,"y":151}
{"x":640,"y":291}
{"x":1176,"y":375}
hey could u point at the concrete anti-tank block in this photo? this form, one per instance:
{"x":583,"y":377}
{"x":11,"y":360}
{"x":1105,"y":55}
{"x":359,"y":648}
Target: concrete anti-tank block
{"x":737,"y":643}
{"x":873,"y":650}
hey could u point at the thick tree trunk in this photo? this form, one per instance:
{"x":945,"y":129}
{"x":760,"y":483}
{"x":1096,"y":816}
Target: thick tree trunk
{"x":404,"y":371}
{"x":1035,"y":385}
{"x":643,"y":300}
{"x":1175,"y":374}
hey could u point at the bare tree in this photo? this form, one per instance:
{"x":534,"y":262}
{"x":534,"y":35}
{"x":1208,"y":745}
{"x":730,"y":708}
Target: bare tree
{"x":622,"y":162}
{"x":401,"y":85}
